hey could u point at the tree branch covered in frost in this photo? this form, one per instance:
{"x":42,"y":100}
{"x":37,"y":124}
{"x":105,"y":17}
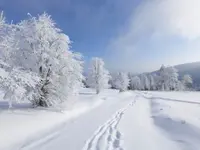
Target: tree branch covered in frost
{"x":18,"y":84}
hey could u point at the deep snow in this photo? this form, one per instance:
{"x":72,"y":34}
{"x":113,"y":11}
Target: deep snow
{"x":109,"y":121}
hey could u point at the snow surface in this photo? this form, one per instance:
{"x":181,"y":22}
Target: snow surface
{"x":23,"y":125}
{"x":108,"y":121}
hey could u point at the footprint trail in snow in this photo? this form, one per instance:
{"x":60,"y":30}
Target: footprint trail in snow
{"x":108,"y":137}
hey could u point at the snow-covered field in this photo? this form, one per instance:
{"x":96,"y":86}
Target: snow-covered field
{"x":109,"y":121}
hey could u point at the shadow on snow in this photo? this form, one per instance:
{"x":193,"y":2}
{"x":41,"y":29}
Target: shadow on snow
{"x":187,"y":135}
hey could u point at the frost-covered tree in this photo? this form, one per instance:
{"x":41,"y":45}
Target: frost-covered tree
{"x":49,"y":55}
{"x":35,"y":56}
{"x":172,"y":78}
{"x":135,"y":83}
{"x":187,"y":81}
{"x":162,"y":78}
{"x":121,"y":81}
{"x":168,"y":78}
{"x":157,"y":79}
{"x":152,"y":82}
{"x":98,"y":75}
{"x":180,"y":86}
{"x":37,"y":46}
{"x":145,"y":84}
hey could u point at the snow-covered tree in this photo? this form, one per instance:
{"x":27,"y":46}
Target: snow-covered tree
{"x":152,"y":82}
{"x":59,"y":68}
{"x":157,"y":79}
{"x":135,"y":83}
{"x":187,"y":81}
{"x":163,"y":78}
{"x":145,"y":84}
{"x":121,"y":81}
{"x":39,"y":47}
{"x":168,"y":78}
{"x":35,"y":56}
{"x":172,"y":78}
{"x":180,"y":86}
{"x":98,"y":76}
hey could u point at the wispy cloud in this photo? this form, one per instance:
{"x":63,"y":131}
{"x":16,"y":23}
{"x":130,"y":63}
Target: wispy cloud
{"x":169,"y":17}
{"x":159,"y":31}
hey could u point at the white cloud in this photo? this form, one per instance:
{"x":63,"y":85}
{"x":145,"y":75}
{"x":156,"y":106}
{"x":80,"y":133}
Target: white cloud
{"x":176,"y":17}
{"x":159,"y":31}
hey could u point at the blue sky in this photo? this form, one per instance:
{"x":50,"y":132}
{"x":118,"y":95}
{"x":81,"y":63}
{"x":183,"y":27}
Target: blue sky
{"x":130,"y":35}
{"x":89,"y":23}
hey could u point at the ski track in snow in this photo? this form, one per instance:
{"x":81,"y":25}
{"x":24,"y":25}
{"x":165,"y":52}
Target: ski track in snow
{"x":108,"y":137}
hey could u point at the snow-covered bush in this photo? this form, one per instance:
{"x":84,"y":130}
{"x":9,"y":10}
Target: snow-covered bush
{"x":120,"y":81}
{"x":98,"y":76}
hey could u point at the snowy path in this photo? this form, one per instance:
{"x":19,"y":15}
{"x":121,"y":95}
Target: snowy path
{"x":108,"y":137}
{"x":76,"y":132}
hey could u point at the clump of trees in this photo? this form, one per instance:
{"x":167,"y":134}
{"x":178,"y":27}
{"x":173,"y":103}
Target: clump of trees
{"x":36,"y":63}
{"x":165,"y":79}
{"x":120,"y":81}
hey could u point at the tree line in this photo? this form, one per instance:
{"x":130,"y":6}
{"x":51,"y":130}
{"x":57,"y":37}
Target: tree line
{"x":165,"y":79}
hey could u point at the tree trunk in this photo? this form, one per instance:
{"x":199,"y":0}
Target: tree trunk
{"x":43,"y":90}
